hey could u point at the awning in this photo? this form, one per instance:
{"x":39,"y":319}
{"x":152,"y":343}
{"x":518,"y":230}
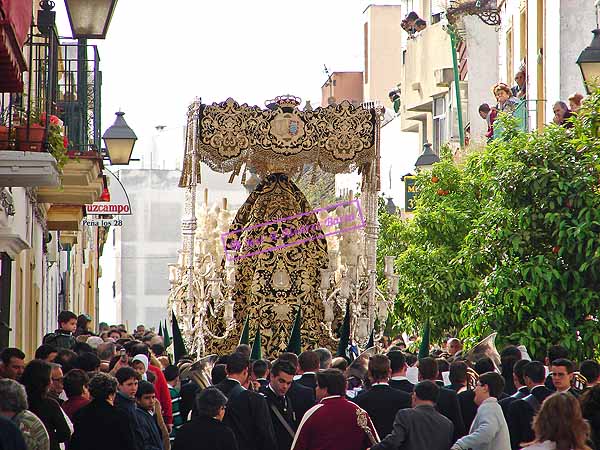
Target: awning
{"x":15,"y":20}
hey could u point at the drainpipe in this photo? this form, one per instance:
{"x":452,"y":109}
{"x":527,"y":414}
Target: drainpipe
{"x":461,"y":130}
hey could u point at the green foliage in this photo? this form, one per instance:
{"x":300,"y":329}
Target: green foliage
{"x":513,"y":246}
{"x":57,"y":146}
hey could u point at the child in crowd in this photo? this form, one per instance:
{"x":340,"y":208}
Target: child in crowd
{"x":63,"y":338}
{"x":148,"y":426}
{"x":139,"y":363}
{"x":172,"y":376}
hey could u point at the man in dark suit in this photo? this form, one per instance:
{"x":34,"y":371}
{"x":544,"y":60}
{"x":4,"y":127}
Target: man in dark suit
{"x":302,"y":397}
{"x":308,"y":367}
{"x":280,"y":405}
{"x":590,"y":369}
{"x":466,"y":398}
{"x":458,"y":376}
{"x":447,"y":402}
{"x":247,"y":412}
{"x":554,"y":352}
{"x":521,"y":412}
{"x":562,"y":376}
{"x":206,"y":429}
{"x":260,"y":372}
{"x":519,"y":381}
{"x":398,"y":365}
{"x":421,"y":427}
{"x":382,"y":402}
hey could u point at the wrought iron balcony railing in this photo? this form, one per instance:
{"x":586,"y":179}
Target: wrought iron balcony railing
{"x":63,"y":85}
{"x":78,"y":95}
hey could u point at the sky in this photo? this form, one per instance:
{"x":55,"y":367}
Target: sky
{"x":159,"y":55}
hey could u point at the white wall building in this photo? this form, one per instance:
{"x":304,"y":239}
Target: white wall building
{"x":140,"y":251}
{"x":546,"y":37}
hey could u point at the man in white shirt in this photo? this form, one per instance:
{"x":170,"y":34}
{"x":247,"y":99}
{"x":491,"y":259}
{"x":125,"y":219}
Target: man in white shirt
{"x":489,"y":430}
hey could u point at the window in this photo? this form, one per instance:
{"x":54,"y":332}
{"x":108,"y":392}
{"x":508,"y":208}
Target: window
{"x":509,"y":57}
{"x":523,"y":35}
{"x":437,"y":10}
{"x":439,"y":123}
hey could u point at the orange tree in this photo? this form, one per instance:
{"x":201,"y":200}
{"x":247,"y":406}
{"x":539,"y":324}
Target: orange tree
{"x":509,"y":241}
{"x":432,"y":282}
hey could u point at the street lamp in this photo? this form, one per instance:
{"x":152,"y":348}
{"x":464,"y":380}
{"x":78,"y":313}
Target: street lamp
{"x":589,"y":59}
{"x":427,"y":158}
{"x":390,"y":207}
{"x":119,"y":140}
{"x":90,"y":18}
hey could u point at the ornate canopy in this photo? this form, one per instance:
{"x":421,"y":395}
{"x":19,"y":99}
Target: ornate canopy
{"x":281,"y":138}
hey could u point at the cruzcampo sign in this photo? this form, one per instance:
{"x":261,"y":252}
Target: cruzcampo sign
{"x":118,"y":205}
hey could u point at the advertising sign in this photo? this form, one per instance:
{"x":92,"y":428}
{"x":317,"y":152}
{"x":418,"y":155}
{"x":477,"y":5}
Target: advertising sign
{"x":119,"y":201}
{"x":410,"y":195}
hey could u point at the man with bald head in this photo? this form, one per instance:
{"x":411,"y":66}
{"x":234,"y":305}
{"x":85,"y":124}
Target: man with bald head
{"x":453,"y":346}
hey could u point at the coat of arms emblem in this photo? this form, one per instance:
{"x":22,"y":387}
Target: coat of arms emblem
{"x":287,"y":129}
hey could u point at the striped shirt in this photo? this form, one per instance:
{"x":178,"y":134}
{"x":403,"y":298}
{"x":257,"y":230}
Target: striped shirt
{"x":178,"y":419}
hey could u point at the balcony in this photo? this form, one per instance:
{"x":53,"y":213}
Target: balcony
{"x":64,"y":217}
{"x":81,"y":181}
{"x":78,"y":95}
{"x":428,"y":57}
{"x":33,"y":152}
{"x":28,"y":169}
{"x":68,"y":239}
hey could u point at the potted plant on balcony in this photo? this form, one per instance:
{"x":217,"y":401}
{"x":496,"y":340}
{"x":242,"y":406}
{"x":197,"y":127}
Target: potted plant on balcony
{"x":29,"y":133}
{"x":57,"y":141}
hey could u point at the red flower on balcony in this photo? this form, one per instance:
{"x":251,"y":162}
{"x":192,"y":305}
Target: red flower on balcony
{"x":65,"y":142}
{"x":54,"y":120}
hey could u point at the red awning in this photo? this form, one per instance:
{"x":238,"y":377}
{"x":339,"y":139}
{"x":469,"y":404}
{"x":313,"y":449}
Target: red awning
{"x":15,"y":20}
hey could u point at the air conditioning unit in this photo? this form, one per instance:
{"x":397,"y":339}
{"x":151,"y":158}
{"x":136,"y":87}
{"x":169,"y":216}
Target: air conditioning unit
{"x":443,"y":77}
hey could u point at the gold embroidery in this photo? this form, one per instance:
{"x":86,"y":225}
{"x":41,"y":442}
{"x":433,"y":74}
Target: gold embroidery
{"x":338,"y":138}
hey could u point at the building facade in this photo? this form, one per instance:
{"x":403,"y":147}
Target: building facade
{"x":383,"y":41}
{"x":150,"y":238}
{"x":50,"y":168}
{"x":544,"y":37}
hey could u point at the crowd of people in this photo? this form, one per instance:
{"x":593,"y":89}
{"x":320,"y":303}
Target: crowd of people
{"x":120,"y":390}
{"x":509,"y":99}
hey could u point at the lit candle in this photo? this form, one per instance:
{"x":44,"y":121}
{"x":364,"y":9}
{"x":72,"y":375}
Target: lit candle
{"x":382,"y":312}
{"x":228,"y":312}
{"x":329,"y":316}
{"x":362,"y":333}
{"x":231,"y":277}
{"x":333,"y":261}
{"x":325,"y":275}
{"x":215,"y":290}
{"x":394,"y":283}
{"x":345,"y":287}
{"x":389,"y":264}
